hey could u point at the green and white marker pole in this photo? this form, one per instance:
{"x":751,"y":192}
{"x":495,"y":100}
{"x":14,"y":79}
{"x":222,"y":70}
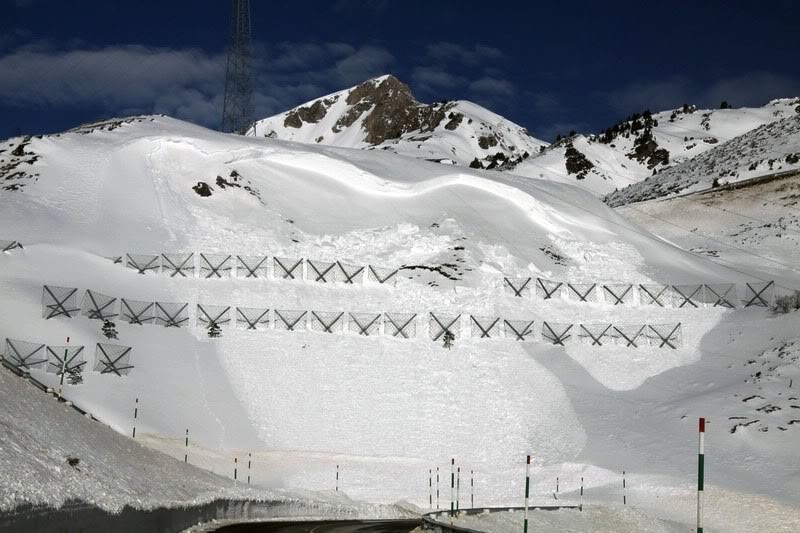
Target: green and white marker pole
{"x":700,"y":472}
{"x":63,"y":369}
{"x":527,"y":492}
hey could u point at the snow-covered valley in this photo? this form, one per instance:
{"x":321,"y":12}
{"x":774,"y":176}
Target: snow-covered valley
{"x":388,"y":409}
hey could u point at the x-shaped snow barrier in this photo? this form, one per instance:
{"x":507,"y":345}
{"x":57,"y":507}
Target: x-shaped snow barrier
{"x":548,"y":289}
{"x":327,"y":322}
{"x":178,"y":265}
{"x":213,"y":315}
{"x":595,"y":334}
{"x":112,"y":359}
{"x":401,"y":325}
{"x":759,"y":294}
{"x":668,"y":335}
{"x":384,"y":276}
{"x":215,"y":265}
{"x":143,"y":263}
{"x":687,"y":295}
{"x":59,"y":301}
{"x":518,"y":286}
{"x":655,"y":294}
{"x":7,"y":246}
{"x":349,"y":274}
{"x":23,"y":354}
{"x":618,"y":294}
{"x":136,"y":312}
{"x":287,"y":268}
{"x":290,"y":320}
{"x":582,"y":292}
{"x":62,"y":359}
{"x":252,"y":318}
{"x":366,"y":324}
{"x":98,"y":306}
{"x":251,"y":266}
{"x":556,"y":333}
{"x":172,"y":315}
{"x":439,"y":325}
{"x":630,"y":336}
{"x":520,"y":330}
{"x":485,"y":327}
{"x":720,"y":295}
{"x":321,"y":271}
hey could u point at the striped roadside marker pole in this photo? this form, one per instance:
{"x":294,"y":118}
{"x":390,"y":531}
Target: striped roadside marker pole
{"x":135,"y":416}
{"x":458,"y":487}
{"x":556,"y":485}
{"x":527,"y":492}
{"x":186,"y":446}
{"x":430,"y":488}
{"x":235,"y":470}
{"x":337,"y":478}
{"x":249,"y":461}
{"x":452,"y":488}
{"x":624,"y":486}
{"x":581,"y":506}
{"x":472,"y":489}
{"x":700,"y":468}
{"x":437,"y":488}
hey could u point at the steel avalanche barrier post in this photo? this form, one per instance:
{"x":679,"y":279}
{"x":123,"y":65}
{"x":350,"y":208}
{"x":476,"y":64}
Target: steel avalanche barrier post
{"x":700,"y":472}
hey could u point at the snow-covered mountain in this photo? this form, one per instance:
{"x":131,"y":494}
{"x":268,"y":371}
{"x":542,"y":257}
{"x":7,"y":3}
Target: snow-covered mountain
{"x":644,"y":144}
{"x":383,"y":114}
{"x":385,"y":409}
{"x":769,"y":149}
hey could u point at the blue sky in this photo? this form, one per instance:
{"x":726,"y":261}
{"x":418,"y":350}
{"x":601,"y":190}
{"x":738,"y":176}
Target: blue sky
{"x":550,"y":66}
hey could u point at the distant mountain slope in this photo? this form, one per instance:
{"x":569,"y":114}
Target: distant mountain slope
{"x":382,"y":113}
{"x":768,"y":149}
{"x":634,"y":149}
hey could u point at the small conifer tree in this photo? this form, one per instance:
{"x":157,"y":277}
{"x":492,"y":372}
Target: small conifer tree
{"x":214,"y":330}
{"x":110,"y":329}
{"x":448,"y":339}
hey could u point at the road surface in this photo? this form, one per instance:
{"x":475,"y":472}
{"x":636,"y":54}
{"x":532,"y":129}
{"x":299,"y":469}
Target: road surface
{"x":337,"y":526}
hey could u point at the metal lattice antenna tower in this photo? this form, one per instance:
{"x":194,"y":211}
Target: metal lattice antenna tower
{"x":237,"y":112}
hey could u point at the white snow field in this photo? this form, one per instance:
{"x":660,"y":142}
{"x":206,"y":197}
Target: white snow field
{"x":387,"y":409}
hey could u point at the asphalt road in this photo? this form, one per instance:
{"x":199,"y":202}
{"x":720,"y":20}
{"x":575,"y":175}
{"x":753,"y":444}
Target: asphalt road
{"x":338,"y":526}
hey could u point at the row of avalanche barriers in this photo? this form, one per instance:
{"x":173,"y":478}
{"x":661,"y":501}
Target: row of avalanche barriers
{"x":108,"y":358}
{"x":726,"y":295}
{"x":64,"y":302}
{"x":216,"y":266}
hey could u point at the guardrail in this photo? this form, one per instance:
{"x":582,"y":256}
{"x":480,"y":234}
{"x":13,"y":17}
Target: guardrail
{"x":429,"y":522}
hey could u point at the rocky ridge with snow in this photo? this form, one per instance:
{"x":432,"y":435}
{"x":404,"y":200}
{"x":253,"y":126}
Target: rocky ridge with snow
{"x":383,"y":114}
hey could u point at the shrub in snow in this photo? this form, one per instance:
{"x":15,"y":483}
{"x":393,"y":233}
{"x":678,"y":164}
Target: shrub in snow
{"x":787,"y":303}
{"x":110,"y":330}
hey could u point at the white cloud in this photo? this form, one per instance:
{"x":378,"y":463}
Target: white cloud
{"x":493,"y":87}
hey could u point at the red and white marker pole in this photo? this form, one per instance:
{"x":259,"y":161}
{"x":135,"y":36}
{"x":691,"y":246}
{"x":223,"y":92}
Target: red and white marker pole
{"x":527,"y":492}
{"x":700,"y":473}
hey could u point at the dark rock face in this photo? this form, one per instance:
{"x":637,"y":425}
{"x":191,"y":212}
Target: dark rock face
{"x":454,"y":122}
{"x":392,"y":108}
{"x":645,"y":149}
{"x":576,"y":162}
{"x":311,"y":114}
{"x":202,"y":188}
{"x":487,"y":141}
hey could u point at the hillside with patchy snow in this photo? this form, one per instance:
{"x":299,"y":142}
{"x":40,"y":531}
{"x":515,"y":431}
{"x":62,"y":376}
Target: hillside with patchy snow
{"x":645,"y":146}
{"x":383,"y":114}
{"x":766,"y":150}
{"x":382,"y":407}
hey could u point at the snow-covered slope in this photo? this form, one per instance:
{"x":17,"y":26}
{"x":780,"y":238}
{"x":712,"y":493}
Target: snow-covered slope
{"x":382,"y":114}
{"x":766,"y":150}
{"x":386,"y":410}
{"x":634,"y":149}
